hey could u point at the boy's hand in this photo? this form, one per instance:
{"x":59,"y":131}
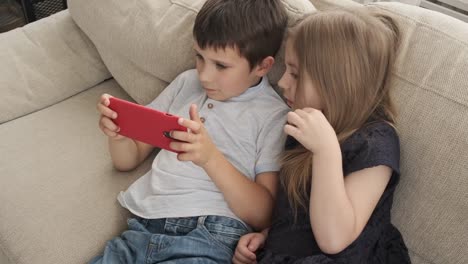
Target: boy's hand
{"x":106,"y":122}
{"x":197,"y":145}
{"x":246,"y":248}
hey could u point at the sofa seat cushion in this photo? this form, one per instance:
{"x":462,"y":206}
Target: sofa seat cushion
{"x":58,"y":187}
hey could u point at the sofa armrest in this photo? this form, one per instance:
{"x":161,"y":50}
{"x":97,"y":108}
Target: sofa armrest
{"x":45,"y":62}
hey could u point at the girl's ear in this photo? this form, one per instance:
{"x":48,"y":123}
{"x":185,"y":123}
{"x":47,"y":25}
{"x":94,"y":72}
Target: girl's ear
{"x":264,"y":66}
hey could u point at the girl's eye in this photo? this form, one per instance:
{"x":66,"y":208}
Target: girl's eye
{"x":220,"y":66}
{"x":198,"y":57}
{"x":294,"y":75}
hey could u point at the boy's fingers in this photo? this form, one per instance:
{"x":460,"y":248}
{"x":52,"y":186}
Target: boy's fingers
{"x":180,"y":146}
{"x":107,"y":123}
{"x":106,"y":111}
{"x":194,"y":113}
{"x":182,"y":136}
{"x":190,"y":124}
{"x":105,"y":99}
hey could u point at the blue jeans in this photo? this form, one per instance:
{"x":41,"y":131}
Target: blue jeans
{"x":198,"y":240}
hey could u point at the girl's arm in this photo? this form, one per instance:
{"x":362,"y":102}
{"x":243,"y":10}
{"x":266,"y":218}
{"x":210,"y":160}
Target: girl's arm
{"x":340,"y":207}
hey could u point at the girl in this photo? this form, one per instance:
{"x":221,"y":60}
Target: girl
{"x":341,"y":163}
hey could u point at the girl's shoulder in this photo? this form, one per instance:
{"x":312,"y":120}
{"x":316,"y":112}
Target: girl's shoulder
{"x":376,"y":143}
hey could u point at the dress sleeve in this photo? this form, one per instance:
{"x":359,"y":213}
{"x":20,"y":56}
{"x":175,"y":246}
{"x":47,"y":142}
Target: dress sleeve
{"x":374,"y":145}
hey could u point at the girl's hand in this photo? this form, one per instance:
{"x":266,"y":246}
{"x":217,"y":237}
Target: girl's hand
{"x":246,"y":248}
{"x":106,"y":123}
{"x":196,"y":145}
{"x":310,"y":127}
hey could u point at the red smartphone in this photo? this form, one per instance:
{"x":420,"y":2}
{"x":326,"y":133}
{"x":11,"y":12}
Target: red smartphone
{"x":145,"y":124}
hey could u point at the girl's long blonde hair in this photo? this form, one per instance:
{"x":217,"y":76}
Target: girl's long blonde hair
{"x":348,"y":54}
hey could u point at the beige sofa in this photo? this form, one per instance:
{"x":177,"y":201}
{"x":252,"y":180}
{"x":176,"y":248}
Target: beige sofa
{"x":57,"y":184}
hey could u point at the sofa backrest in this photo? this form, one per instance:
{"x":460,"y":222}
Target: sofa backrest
{"x":44,"y":63}
{"x":431,"y":93}
{"x":145,"y":44}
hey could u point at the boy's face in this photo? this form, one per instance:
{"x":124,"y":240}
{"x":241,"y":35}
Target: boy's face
{"x":224,"y":73}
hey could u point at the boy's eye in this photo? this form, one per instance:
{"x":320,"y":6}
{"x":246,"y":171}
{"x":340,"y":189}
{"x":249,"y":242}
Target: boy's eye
{"x":220,"y":66}
{"x":198,"y":57}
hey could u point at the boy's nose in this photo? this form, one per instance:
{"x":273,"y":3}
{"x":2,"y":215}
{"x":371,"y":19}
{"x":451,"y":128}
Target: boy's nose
{"x":205,"y":75}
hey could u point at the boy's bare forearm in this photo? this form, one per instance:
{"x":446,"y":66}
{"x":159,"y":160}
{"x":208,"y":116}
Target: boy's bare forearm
{"x":124,"y":153}
{"x":250,"y":201}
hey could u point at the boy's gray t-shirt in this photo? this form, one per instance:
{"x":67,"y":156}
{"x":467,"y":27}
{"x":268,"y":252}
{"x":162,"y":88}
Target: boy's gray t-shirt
{"x":247,"y":129}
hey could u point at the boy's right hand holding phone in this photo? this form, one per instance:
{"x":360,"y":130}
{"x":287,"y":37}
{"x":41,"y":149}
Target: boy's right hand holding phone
{"x":246,"y":248}
{"x":106,"y":123}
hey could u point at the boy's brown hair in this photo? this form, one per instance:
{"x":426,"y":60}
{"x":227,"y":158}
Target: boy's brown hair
{"x":254,"y":27}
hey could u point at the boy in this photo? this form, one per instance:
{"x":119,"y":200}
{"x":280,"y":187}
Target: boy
{"x":193,"y":207}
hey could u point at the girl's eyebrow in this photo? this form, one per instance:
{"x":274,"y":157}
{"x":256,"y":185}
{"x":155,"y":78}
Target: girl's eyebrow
{"x":291,"y":65}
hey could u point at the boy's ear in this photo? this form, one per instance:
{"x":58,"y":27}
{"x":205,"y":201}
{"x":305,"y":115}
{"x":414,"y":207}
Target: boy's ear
{"x":264,"y":66}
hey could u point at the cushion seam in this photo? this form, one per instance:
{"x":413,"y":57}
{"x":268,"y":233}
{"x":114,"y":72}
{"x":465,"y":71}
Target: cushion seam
{"x":175,"y":2}
{"x":424,"y":87}
{"x":417,"y":22}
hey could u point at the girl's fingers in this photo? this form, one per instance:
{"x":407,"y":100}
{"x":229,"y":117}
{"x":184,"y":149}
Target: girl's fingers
{"x":247,"y":254}
{"x":292,"y":131}
{"x":294,"y":119}
{"x":193,"y":126}
{"x":301,"y":113}
{"x":241,"y":258}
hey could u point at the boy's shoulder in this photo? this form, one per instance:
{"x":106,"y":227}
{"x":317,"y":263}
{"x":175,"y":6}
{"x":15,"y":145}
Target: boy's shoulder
{"x":188,"y":75}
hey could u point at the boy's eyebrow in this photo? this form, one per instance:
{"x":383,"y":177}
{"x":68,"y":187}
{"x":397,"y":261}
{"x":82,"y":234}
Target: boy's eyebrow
{"x":216,"y":61}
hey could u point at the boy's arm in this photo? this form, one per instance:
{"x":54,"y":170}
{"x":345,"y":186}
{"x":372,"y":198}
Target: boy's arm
{"x":127,"y":153}
{"x":250,"y":201}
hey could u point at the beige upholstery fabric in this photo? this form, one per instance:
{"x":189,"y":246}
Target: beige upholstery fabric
{"x":145,"y":44}
{"x":58,"y":187}
{"x":44,"y":63}
{"x":431,"y":93}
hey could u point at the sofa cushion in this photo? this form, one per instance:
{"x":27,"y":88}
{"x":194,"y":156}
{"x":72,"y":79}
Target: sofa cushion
{"x":431,"y":93}
{"x":58,"y":187}
{"x":145,"y":43}
{"x":44,"y":63}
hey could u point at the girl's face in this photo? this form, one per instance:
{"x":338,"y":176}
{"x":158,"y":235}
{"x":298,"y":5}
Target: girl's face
{"x":296,"y":98}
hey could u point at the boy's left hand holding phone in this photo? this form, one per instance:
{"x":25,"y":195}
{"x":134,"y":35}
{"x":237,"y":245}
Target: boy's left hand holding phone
{"x":121,"y":118}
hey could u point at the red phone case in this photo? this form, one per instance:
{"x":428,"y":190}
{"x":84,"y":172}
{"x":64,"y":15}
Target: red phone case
{"x":144,"y":124}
